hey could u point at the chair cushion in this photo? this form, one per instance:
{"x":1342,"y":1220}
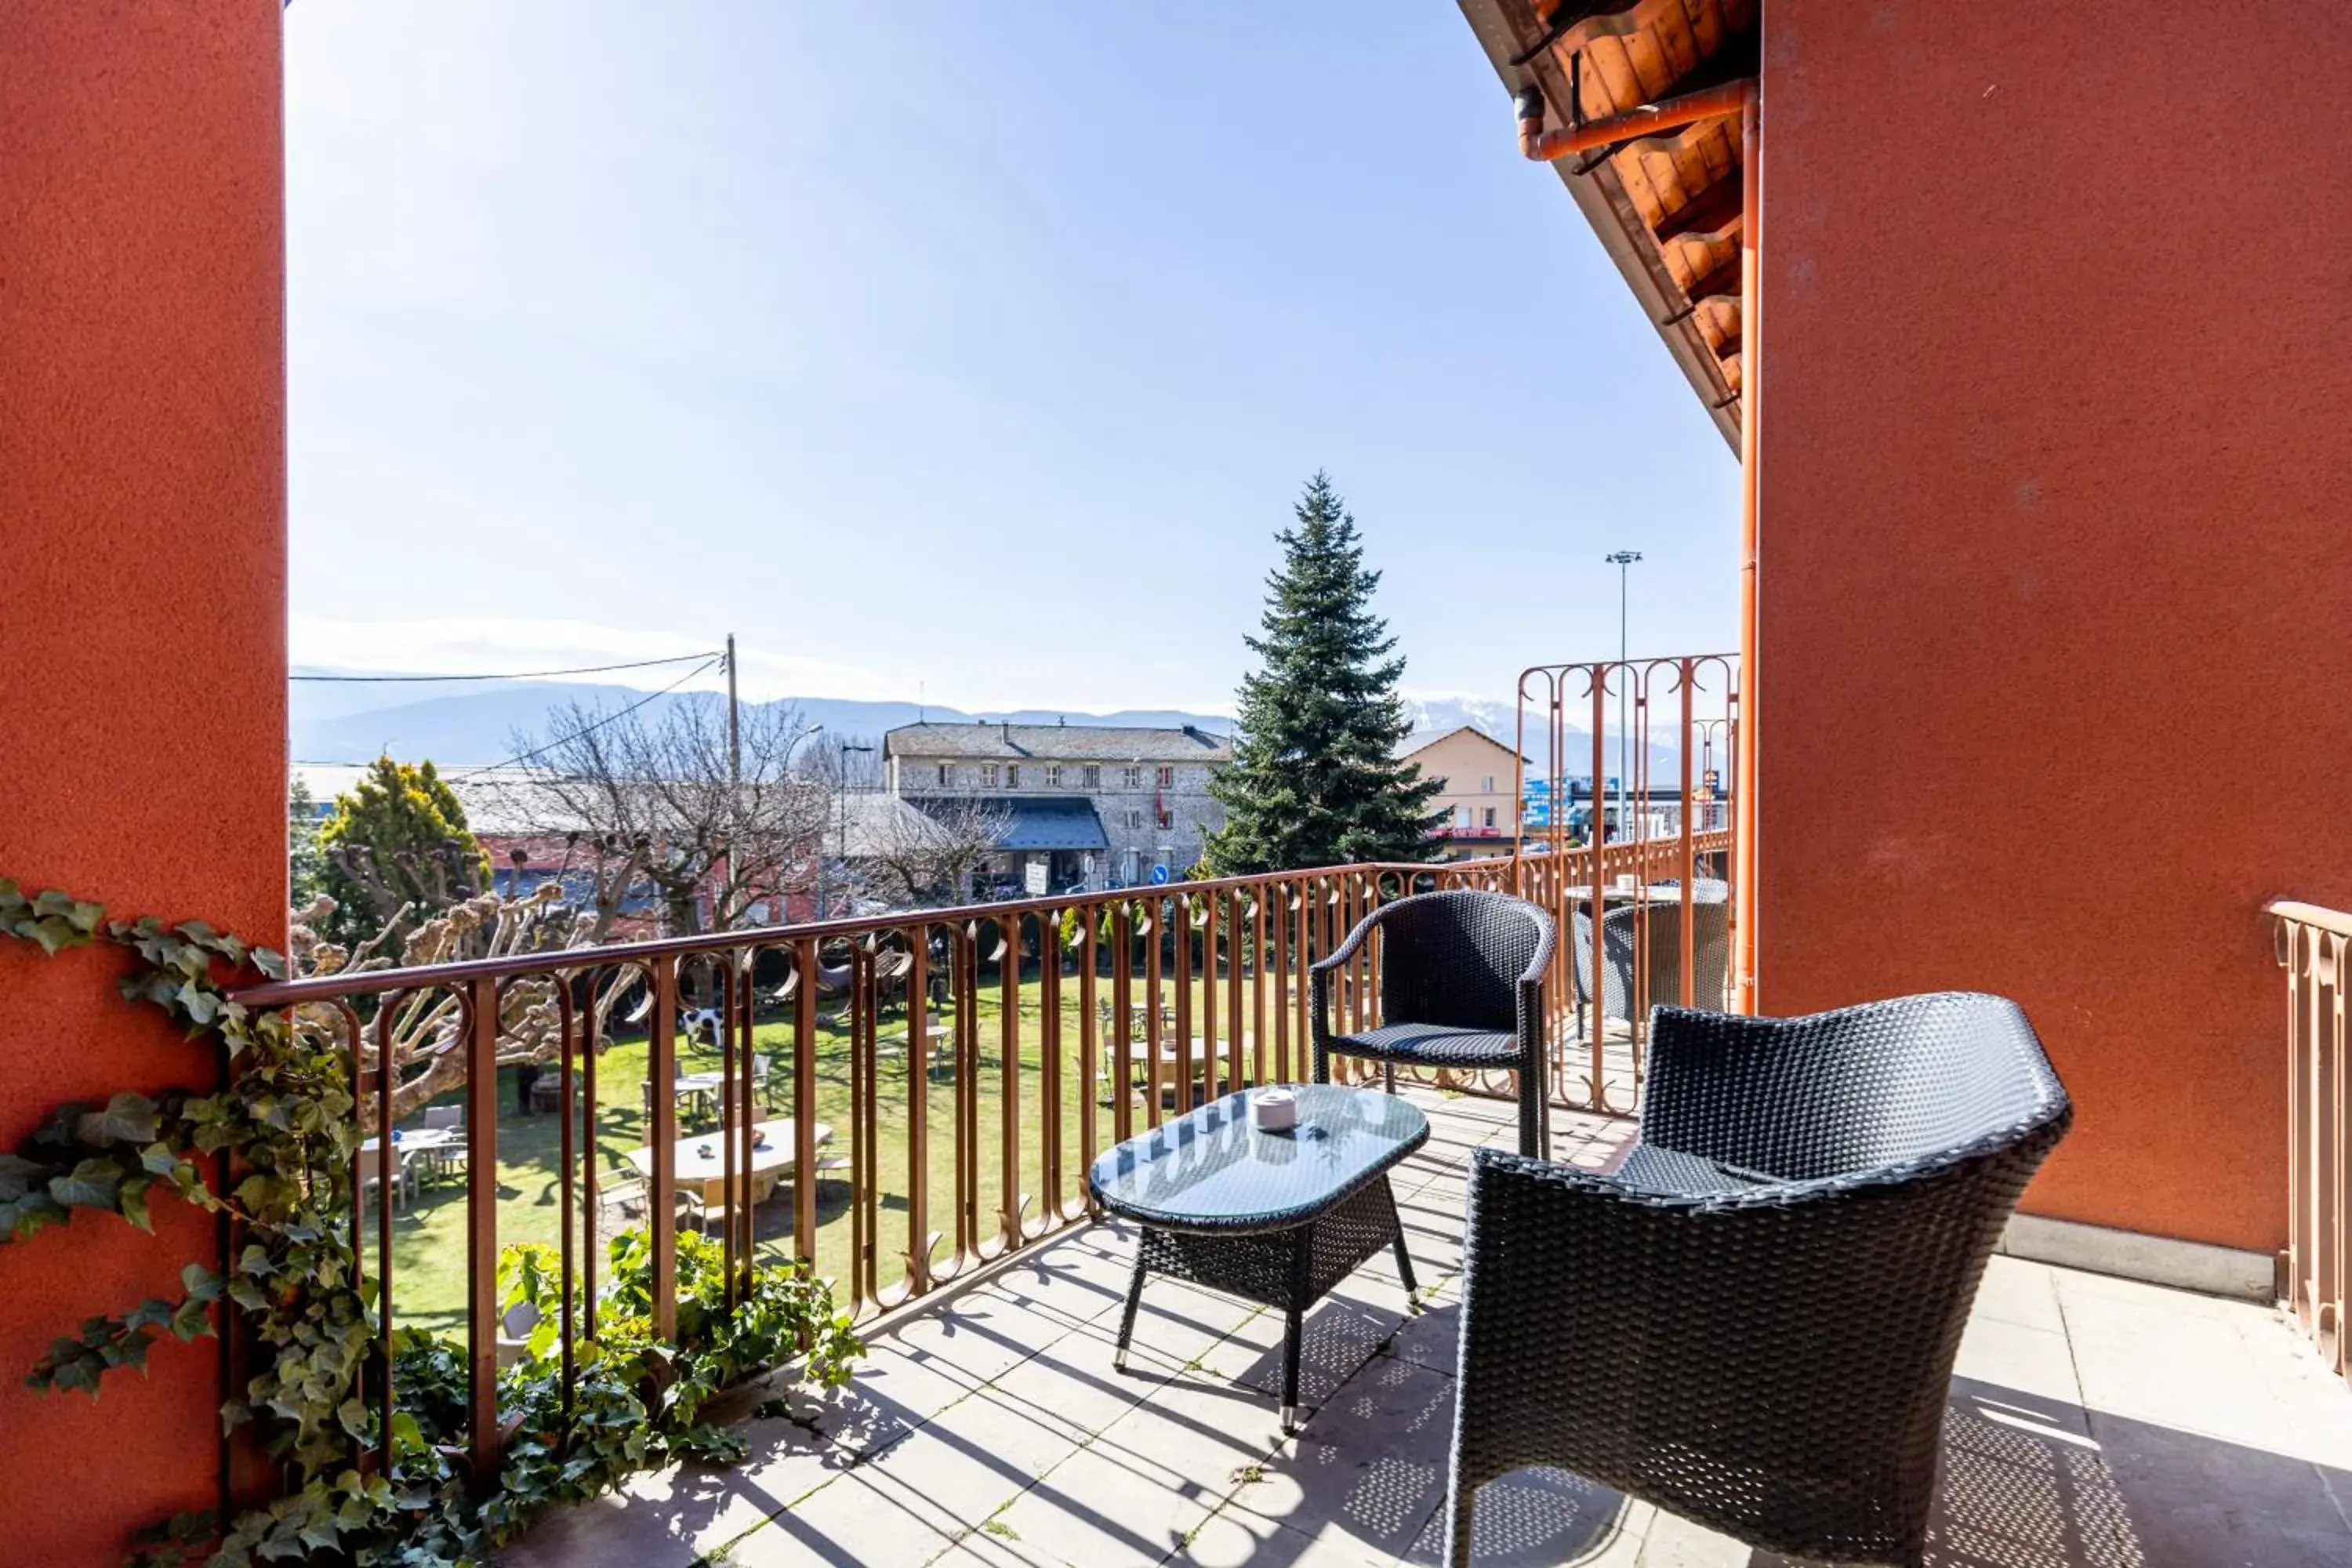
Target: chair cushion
{"x":1431,"y":1044}
{"x":1654,"y":1168}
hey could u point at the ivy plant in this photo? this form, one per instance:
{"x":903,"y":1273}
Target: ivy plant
{"x":273,"y":1148}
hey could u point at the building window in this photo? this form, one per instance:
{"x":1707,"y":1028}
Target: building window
{"x":947,"y":775}
{"x":1134,"y":778}
{"x":1168,"y":778}
{"x":1461,"y":819}
{"x":1167,"y":819}
{"x":1486,"y":787}
{"x":988,"y":775}
{"x":1052,"y":776}
{"x":1490,"y":819}
{"x":1094,"y":776}
{"x":1013,"y":776}
{"x":1134,"y":817}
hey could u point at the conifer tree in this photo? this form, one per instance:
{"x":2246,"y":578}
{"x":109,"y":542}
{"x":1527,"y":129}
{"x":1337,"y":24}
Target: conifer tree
{"x":1315,"y":779}
{"x":398,"y":839}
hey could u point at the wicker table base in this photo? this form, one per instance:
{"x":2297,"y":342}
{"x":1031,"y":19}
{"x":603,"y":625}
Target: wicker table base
{"x":1291,"y":1269}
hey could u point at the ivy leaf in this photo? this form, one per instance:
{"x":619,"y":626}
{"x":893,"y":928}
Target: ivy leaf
{"x":92,"y":1184}
{"x":18,"y":1176}
{"x":192,"y":1318}
{"x":351,"y":1414}
{"x":54,"y":920}
{"x":21,"y":1217}
{"x":131,"y":1351}
{"x":133,"y":1201}
{"x":128,"y":1119}
{"x":200,"y":1282}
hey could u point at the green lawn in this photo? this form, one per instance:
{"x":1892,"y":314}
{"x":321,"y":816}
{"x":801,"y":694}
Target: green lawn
{"x":429,"y":1234}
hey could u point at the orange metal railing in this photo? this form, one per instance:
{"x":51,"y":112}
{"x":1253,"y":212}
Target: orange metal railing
{"x":2313,"y":949}
{"x":1596,"y":858}
{"x":948,"y":1075}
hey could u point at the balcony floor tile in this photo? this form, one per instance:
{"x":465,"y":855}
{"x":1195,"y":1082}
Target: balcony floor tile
{"x":2092,"y":1423}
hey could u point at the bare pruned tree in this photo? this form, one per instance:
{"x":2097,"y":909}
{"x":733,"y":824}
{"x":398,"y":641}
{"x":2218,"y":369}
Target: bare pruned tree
{"x":423,"y":1027}
{"x":660,"y":799}
{"x":906,"y":856}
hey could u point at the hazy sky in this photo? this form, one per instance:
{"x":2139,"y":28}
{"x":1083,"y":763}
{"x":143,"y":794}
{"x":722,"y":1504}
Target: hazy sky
{"x":970,"y":351}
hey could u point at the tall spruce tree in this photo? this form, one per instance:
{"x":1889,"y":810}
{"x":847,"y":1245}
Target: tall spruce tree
{"x":1315,"y":779}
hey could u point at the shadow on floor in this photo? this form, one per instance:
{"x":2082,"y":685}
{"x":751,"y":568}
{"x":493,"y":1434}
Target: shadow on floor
{"x":2032,"y":1482}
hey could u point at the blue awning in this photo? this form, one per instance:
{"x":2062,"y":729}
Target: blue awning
{"x":1036,"y":823}
{"x":1053,"y":824}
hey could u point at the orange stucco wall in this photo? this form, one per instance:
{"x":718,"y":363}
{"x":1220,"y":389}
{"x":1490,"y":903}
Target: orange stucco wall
{"x":2056,"y":589}
{"x":142,"y":658}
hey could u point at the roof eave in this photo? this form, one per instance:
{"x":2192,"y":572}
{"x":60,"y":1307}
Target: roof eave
{"x":1602,"y":198}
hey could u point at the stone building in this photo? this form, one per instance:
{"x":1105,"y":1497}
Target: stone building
{"x":1090,"y":806}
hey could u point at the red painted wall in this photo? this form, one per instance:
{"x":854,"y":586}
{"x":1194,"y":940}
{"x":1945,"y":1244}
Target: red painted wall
{"x":2056,"y":571}
{"x":142,"y":589}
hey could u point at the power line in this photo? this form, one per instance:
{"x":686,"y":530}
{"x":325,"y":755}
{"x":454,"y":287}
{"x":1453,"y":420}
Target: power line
{"x":608,"y":718}
{"x":519,"y":675}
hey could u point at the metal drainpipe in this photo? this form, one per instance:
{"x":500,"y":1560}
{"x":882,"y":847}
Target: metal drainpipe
{"x":1751,"y":385}
{"x":1542,"y":146}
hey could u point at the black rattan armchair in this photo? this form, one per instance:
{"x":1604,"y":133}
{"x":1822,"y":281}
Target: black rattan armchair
{"x":1752,"y":1321}
{"x":1461,"y":987}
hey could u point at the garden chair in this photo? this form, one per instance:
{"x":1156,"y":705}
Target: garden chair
{"x":1461,"y":987}
{"x":516,"y":1326}
{"x":452,"y":1118}
{"x":1752,"y":1321}
{"x":374,"y":1163}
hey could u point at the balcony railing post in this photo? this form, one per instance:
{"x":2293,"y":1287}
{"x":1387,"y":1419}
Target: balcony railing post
{"x":1089,"y":1045}
{"x":1235,"y":1075}
{"x":1155,"y":933}
{"x":661,"y":1091}
{"x":1049,"y":1064}
{"x":1008,"y":1064}
{"x":481,"y":1225}
{"x":805,"y":954}
{"x":734,"y":1139}
{"x":920,"y":1239}
{"x":967,"y":1091}
{"x":1209,"y":1087}
{"x":866,"y":1094}
{"x":1122,"y":1021}
{"x":1256,"y":905}
{"x":567,"y":1026}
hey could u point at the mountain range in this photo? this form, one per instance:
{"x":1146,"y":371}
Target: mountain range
{"x":357,"y":722}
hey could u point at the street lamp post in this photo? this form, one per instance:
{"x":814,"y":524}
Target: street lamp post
{"x":1623,"y":560}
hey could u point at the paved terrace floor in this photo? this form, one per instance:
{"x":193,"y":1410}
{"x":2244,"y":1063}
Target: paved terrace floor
{"x":2094,"y":1423}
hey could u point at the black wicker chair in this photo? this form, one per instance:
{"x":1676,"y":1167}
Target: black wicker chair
{"x":1461,"y":987}
{"x":1617,"y":944}
{"x":1752,"y":1321}
{"x":1710,"y":912}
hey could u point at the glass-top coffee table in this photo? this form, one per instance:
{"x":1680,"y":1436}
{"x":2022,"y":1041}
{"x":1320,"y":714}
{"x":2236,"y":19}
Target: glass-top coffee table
{"x":1277,"y":1218}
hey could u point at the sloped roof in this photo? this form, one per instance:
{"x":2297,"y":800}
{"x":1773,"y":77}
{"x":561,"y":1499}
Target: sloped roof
{"x":1057,"y":744}
{"x":1419,"y":740}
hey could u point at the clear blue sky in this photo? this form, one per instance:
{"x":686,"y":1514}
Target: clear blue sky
{"x":974,"y":350}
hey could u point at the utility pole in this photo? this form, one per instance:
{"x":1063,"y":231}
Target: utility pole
{"x":1623,"y":560}
{"x":734,"y":786}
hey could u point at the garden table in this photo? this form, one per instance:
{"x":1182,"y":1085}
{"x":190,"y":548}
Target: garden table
{"x":706,"y":1172}
{"x":1277,"y":1218}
